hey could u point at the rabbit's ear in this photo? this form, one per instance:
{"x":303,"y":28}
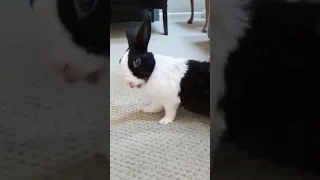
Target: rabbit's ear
{"x":131,"y":35}
{"x":143,"y":36}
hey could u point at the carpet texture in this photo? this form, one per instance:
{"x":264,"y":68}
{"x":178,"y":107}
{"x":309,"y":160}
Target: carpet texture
{"x":140,"y":148}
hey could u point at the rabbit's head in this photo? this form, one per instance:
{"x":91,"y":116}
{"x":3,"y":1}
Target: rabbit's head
{"x":137,"y":64}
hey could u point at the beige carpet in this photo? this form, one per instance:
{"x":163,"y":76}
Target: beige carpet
{"x":140,"y":148}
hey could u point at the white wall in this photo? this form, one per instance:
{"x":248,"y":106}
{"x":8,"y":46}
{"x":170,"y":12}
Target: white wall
{"x":184,"y":6}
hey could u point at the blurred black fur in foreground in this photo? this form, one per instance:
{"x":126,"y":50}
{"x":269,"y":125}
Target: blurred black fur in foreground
{"x":272,"y":98}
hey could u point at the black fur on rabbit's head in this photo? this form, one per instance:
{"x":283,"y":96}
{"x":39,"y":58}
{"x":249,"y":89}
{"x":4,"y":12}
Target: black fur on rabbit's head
{"x":137,"y":64}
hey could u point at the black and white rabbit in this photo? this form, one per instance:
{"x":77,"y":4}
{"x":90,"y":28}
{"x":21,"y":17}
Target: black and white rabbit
{"x":77,"y":32}
{"x":170,"y":82}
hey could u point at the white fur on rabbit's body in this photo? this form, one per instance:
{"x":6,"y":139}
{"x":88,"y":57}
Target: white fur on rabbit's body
{"x":163,"y":86}
{"x":61,"y":49}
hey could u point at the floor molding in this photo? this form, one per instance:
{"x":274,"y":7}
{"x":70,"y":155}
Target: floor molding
{"x":182,"y":15}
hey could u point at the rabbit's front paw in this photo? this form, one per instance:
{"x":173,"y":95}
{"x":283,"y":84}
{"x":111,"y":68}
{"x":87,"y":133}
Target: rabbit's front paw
{"x":166,"y":120}
{"x":170,"y":113}
{"x":152,"y":108}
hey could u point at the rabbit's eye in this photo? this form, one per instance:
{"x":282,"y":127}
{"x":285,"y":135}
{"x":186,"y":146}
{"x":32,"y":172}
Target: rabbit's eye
{"x":136,"y":62}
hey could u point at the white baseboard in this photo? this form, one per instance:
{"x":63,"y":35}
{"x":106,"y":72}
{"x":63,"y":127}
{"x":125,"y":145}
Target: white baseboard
{"x":182,"y":15}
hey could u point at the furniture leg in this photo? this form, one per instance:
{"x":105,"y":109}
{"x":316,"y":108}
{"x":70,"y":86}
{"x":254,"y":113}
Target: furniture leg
{"x":152,"y":15}
{"x":205,"y":27}
{"x":165,"y":18}
{"x":192,"y":12}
